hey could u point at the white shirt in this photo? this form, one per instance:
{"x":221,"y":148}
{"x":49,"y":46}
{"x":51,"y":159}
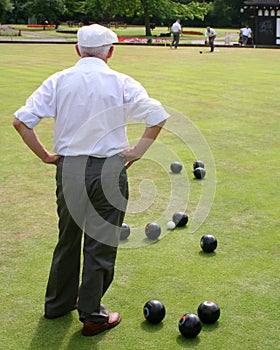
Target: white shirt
{"x":246,"y":31}
{"x":176,"y":27}
{"x":211,"y":33}
{"x":90,"y":104}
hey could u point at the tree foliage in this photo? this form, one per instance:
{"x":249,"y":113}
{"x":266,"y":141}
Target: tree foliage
{"x":47,"y":9}
{"x":5,"y":6}
{"x":71,"y":7}
{"x":216,"y":12}
{"x":166,"y":10}
{"x":225,"y":12}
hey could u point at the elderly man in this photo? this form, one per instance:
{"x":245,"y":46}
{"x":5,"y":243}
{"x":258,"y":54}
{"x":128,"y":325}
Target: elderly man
{"x":176,"y":30}
{"x":90,"y":104}
{"x":210,"y":36}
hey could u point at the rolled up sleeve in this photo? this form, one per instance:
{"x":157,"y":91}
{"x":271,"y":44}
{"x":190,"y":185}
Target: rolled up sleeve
{"x":141,"y":107}
{"x":41,"y":104}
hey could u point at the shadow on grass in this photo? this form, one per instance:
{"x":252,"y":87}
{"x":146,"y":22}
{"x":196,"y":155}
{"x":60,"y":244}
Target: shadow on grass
{"x":187,"y":343}
{"x":193,"y":343}
{"x":50,"y":333}
{"x":149,"y":241}
{"x":151,"y":328}
{"x":210,"y":327}
{"x":78,"y":341}
{"x":206,"y":255}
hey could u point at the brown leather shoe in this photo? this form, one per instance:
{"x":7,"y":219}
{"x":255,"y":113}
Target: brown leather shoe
{"x":91,"y":328}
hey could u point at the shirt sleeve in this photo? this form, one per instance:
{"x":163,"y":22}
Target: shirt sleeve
{"x":41,"y":104}
{"x":139,"y":106}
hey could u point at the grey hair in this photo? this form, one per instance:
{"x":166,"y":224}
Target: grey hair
{"x":100,"y":52}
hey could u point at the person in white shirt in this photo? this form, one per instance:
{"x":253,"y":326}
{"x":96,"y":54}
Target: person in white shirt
{"x":90,"y":104}
{"x":210,"y":36}
{"x":246,"y":32}
{"x":176,"y":30}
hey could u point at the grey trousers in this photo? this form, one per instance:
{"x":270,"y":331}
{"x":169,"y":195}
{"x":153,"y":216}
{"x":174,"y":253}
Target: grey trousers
{"x":176,"y":38}
{"x":92,"y":196}
{"x":212,"y":43}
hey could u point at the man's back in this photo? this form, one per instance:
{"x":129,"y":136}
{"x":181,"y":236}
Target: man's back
{"x":176,"y":27}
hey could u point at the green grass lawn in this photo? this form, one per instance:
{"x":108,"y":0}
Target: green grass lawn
{"x":225,"y":111}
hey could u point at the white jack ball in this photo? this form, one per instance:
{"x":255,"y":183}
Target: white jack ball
{"x":171,"y":225}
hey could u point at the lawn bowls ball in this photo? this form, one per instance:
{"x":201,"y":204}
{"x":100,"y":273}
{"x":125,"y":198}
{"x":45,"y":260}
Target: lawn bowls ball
{"x":176,"y":167}
{"x":199,"y":173}
{"x":154,"y":311}
{"x":125,"y":232}
{"x":208,"y":243}
{"x":171,"y":225}
{"x":208,"y":312}
{"x":189,"y":325}
{"x":180,"y":219}
{"x":152,"y":230}
{"x":198,"y":164}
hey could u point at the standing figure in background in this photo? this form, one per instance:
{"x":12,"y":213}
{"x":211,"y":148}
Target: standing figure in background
{"x":176,"y":30}
{"x":210,"y":36}
{"x":227,"y":39}
{"x":246,"y":33}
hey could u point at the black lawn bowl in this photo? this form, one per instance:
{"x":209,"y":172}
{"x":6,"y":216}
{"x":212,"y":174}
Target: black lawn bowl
{"x":125,"y":232}
{"x":189,"y":325}
{"x":199,"y":173}
{"x":198,"y":164}
{"x":154,"y":311}
{"x":176,"y":167}
{"x":152,"y":230}
{"x":208,"y":243}
{"x":208,"y":312}
{"x":180,"y":219}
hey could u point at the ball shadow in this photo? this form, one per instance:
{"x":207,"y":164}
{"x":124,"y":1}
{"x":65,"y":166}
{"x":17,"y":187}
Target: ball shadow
{"x":210,"y":327}
{"x":150,"y":241}
{"x":186,"y":342}
{"x":123,"y":241}
{"x":206,"y":255}
{"x":150,"y":327}
{"x":171,"y":173}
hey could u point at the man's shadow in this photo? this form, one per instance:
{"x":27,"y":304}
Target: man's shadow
{"x":51,"y":333}
{"x":78,"y":341}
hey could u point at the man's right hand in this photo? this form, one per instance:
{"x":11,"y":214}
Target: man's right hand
{"x":52,"y":159}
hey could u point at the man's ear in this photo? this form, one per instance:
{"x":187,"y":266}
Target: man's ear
{"x":77,"y":50}
{"x":110,"y":53}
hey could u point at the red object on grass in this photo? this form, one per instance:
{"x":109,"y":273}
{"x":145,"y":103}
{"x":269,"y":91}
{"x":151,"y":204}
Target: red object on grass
{"x":192,"y":32}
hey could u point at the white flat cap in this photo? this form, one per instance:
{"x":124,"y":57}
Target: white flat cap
{"x":96,"y":35}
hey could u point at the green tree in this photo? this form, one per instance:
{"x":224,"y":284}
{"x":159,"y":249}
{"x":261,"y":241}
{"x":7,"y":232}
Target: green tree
{"x":71,"y":7}
{"x":19,"y":13}
{"x":5,"y":6}
{"x":225,"y":13}
{"x":222,"y":11}
{"x":165,"y":9}
{"x":47,"y":9}
{"x":168,"y":10}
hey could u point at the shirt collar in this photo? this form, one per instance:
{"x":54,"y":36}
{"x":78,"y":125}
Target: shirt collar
{"x":91,"y":60}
